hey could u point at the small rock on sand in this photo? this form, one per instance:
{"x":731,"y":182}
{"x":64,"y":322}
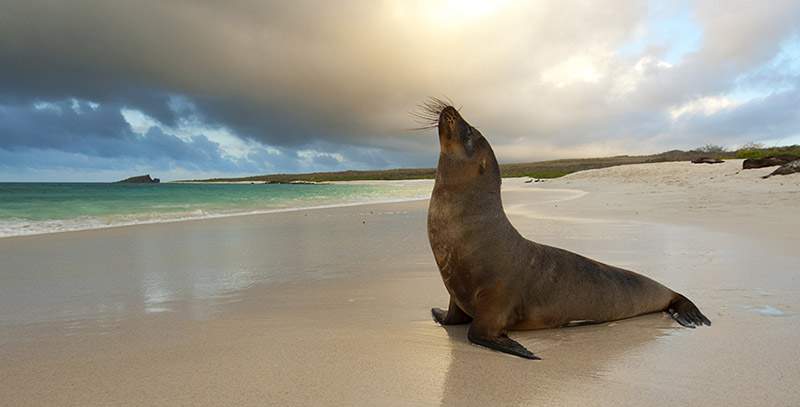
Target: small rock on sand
{"x":707,"y":160}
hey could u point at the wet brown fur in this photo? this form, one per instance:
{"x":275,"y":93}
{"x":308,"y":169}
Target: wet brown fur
{"x":500,"y":281}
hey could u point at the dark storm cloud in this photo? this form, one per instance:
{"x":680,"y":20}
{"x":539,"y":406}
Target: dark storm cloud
{"x":541,"y":79}
{"x":59,"y":125}
{"x":96,"y":131}
{"x":285,"y":74}
{"x":240,"y":64}
{"x":75,"y":139}
{"x":774,"y":116}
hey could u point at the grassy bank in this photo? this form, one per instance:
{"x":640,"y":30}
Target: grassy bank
{"x":761,"y":152}
{"x":541,"y":169}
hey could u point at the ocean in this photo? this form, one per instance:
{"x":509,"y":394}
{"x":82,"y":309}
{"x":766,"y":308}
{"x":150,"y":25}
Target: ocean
{"x":35,"y":208}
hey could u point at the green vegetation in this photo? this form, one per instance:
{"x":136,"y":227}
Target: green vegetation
{"x":352,"y":175}
{"x":712,"y":149}
{"x":757,"y":151}
{"x":542,"y":169}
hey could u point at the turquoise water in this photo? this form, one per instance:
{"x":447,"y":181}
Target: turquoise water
{"x":31,"y":208}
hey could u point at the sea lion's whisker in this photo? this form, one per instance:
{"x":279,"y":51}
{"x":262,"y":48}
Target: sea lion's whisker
{"x":427,"y":112}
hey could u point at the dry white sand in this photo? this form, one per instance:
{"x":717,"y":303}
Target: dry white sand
{"x":331,"y":306}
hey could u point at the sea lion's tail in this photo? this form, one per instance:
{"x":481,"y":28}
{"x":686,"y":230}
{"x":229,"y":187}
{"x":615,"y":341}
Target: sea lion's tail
{"x":686,"y":313}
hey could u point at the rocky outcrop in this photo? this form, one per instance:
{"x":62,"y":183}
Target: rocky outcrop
{"x":707,"y":160}
{"x":770,"y":161}
{"x":786,"y":169}
{"x":141,"y":179}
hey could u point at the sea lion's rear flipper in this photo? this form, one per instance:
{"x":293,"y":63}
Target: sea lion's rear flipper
{"x":686,"y":313}
{"x":453,"y":316}
{"x":501,"y":343}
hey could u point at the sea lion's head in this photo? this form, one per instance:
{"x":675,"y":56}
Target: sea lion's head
{"x":457,"y":138}
{"x":465,"y":155}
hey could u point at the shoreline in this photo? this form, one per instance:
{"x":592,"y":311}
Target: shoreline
{"x":295,"y":309}
{"x":44,"y":227}
{"x":516,"y":181}
{"x":219,"y":216}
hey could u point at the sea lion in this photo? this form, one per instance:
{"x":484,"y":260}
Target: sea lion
{"x":707,"y":160}
{"x":786,"y":169}
{"x":770,"y":161}
{"x":500,"y":281}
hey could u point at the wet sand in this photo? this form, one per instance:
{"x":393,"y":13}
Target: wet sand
{"x":331,"y":306}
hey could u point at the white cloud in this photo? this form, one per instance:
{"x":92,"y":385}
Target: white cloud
{"x":576,"y":69}
{"x":707,"y":106}
{"x":47,"y":106}
{"x":628,"y":80}
{"x":230,"y":144}
{"x":314,"y":158}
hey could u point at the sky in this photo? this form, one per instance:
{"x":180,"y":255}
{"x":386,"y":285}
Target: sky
{"x":101,"y":90}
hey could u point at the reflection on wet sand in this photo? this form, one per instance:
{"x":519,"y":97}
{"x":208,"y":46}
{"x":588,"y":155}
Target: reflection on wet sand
{"x":571,"y":356}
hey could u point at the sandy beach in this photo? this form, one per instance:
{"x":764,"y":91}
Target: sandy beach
{"x":332,"y":306}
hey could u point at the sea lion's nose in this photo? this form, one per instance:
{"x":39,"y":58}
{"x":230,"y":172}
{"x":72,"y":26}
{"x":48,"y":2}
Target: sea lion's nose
{"x":449,"y":116}
{"x":449,"y":111}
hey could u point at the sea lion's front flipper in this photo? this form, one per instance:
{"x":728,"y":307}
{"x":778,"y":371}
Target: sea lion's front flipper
{"x":453,"y":316}
{"x":499,"y":342}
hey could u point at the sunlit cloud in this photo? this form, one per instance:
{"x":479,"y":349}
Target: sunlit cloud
{"x":579,"y":68}
{"x":707,"y":106}
{"x":275,"y":87}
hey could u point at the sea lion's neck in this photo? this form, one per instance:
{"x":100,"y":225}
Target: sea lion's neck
{"x":482,"y":168}
{"x":476,"y":181}
{"x":465,"y":201}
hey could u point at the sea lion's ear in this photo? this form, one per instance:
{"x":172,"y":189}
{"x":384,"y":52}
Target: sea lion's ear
{"x":482,"y":167}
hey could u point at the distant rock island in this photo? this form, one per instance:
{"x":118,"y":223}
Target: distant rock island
{"x":141,"y":179}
